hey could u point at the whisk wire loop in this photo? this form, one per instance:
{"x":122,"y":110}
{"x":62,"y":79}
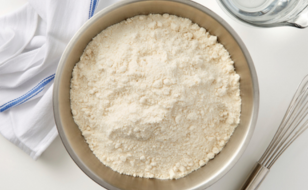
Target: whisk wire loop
{"x":293,"y":124}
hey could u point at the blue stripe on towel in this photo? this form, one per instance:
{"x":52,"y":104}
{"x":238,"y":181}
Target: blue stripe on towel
{"x":31,"y":93}
{"x":93,"y":5}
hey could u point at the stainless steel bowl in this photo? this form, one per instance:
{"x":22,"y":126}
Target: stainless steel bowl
{"x":71,"y":135}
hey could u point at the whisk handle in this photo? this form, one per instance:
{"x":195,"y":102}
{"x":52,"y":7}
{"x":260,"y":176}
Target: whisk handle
{"x":256,"y":177}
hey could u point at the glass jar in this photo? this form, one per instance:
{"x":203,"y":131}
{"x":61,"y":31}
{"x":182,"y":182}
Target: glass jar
{"x":269,"y":13}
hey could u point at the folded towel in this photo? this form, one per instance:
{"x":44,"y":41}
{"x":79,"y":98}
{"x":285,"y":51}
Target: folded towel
{"x":32,"y":40}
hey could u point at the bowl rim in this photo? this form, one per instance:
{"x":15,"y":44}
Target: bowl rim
{"x":83,"y":28}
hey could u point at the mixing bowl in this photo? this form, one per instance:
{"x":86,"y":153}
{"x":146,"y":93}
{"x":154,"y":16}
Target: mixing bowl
{"x":71,"y":136}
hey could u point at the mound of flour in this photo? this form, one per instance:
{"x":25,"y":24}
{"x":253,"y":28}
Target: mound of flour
{"x":155,"y":96}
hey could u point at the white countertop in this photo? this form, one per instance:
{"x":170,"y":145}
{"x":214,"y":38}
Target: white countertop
{"x":280,"y":56}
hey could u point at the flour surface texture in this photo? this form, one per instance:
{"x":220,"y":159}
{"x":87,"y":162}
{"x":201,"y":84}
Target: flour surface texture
{"x":155,"y":96}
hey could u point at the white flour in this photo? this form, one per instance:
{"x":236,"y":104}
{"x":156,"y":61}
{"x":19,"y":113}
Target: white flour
{"x":155,"y":96}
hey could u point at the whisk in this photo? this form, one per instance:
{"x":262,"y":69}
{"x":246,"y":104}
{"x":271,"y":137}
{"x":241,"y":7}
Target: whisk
{"x":293,"y":124}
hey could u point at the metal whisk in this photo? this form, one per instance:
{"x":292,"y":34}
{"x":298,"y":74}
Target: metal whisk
{"x":293,"y":124}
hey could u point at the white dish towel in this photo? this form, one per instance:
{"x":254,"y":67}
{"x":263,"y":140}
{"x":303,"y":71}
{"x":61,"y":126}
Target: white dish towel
{"x":32,"y":40}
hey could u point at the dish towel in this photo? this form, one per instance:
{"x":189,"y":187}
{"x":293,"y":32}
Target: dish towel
{"x":32,"y":40}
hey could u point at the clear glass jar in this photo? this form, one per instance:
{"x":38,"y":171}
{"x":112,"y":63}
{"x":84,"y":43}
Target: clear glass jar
{"x":269,"y":13}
